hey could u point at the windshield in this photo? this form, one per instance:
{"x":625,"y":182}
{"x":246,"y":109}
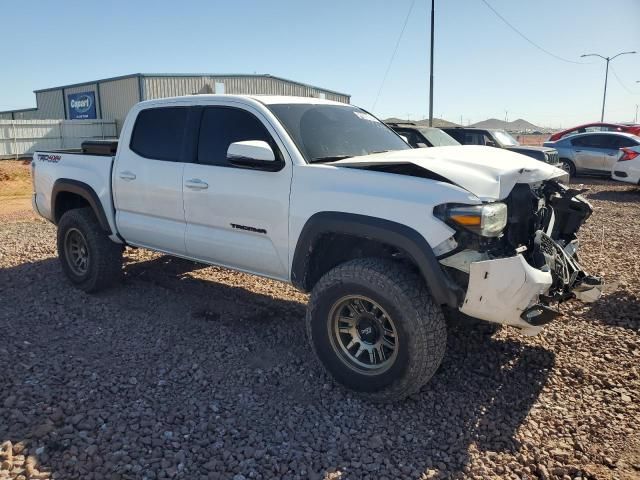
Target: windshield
{"x":438,"y":138}
{"x":505,"y":139}
{"x":325,"y":133}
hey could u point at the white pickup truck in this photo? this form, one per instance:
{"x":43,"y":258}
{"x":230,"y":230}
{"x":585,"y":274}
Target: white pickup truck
{"x":387,"y":239}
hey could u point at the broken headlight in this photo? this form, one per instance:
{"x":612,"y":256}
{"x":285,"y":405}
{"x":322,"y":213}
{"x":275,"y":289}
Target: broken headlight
{"x":487,"y":220}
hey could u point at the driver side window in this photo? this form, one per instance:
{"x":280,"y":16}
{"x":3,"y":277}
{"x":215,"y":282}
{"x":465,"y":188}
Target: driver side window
{"x":222,"y":126}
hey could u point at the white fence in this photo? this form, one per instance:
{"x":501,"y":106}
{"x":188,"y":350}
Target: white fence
{"x":23,"y":137}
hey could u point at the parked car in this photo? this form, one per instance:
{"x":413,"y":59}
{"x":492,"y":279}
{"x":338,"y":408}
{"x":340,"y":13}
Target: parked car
{"x":502,"y":139}
{"x":419,"y":136}
{"x":596,"y":127}
{"x":593,"y":153}
{"x":324,"y":196}
{"x":627,"y":168}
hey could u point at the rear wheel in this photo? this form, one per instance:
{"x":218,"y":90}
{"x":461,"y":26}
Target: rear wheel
{"x":374,"y":327}
{"x":90,"y":260}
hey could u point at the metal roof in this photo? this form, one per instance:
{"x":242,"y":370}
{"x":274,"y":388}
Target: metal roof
{"x":133,"y":75}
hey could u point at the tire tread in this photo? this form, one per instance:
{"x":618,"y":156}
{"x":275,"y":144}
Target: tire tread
{"x":408,"y":290}
{"x":106,"y":257}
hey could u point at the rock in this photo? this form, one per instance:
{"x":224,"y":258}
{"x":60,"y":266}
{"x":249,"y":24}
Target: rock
{"x":42,"y":430}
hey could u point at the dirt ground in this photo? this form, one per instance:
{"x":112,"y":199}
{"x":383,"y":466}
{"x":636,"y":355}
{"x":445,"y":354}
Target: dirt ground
{"x":15,"y":190}
{"x":195,"y":372}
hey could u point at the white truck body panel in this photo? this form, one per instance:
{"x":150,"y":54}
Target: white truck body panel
{"x":408,"y":200}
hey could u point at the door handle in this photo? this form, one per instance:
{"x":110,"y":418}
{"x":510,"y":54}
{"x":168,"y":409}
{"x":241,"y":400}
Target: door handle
{"x":612,"y":154}
{"x":196,"y":184}
{"x":128,"y":176}
{"x":578,"y":151}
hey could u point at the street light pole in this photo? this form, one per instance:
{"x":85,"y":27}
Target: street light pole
{"x":433,"y":7}
{"x":606,"y":75}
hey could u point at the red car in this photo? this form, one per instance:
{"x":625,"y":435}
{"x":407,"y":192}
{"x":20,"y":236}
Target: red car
{"x":596,"y":127}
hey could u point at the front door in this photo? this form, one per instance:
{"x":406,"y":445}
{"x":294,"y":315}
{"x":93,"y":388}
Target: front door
{"x":237,"y":217}
{"x":588,"y":152}
{"x":147,"y":181}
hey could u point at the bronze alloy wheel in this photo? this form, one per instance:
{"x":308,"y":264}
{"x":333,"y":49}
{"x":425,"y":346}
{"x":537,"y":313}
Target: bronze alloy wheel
{"x":76,"y":251}
{"x":363,"y":335}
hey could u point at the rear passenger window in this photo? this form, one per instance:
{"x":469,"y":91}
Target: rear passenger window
{"x":159,"y":133}
{"x":222,"y":126}
{"x":618,"y":141}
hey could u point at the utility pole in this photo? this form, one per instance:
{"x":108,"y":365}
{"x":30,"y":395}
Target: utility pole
{"x":506,"y":116}
{"x":606,"y":74}
{"x":433,"y":7}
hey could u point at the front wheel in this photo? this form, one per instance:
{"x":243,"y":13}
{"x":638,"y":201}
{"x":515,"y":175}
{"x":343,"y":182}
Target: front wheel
{"x":569,"y":167}
{"x":375,"y":328}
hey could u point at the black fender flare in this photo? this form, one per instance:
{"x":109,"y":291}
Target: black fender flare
{"x":83,"y":190}
{"x":443,"y":290}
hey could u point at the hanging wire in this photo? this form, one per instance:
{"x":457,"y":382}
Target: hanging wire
{"x":557,"y":57}
{"x":620,"y":81}
{"x":393,"y":56}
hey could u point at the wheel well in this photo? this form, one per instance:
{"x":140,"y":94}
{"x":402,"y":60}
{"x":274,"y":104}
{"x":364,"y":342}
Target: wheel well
{"x":66,"y":201}
{"x":332,"y":249}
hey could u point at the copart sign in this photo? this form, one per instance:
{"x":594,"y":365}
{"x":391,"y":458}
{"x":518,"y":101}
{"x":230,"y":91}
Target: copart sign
{"x":81,"y":106}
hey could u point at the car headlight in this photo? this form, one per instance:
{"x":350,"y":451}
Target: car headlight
{"x":487,"y":220}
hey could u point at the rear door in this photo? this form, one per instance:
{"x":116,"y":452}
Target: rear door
{"x":237,"y":217}
{"x":147,"y":180}
{"x":589,"y":151}
{"x":612,"y":151}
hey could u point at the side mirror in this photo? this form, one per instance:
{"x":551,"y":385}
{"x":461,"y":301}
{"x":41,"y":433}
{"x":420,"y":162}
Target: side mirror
{"x":256,"y":154}
{"x":489,"y":143}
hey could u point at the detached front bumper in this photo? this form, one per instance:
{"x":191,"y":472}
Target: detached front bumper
{"x":501,"y":290}
{"x":511,"y":292}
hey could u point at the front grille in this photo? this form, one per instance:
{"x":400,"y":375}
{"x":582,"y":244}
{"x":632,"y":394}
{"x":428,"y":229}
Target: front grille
{"x":552,"y":158}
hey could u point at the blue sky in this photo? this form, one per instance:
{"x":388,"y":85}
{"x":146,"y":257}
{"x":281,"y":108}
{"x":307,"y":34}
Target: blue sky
{"x":482,"y":67}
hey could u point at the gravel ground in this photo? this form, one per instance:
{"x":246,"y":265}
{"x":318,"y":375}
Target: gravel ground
{"x":202,"y":373}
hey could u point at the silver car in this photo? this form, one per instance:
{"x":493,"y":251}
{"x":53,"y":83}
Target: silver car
{"x":594,"y":152}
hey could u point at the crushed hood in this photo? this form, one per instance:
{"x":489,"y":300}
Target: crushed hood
{"x":487,"y":172}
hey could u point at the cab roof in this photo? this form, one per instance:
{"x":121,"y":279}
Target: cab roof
{"x":264,"y":99}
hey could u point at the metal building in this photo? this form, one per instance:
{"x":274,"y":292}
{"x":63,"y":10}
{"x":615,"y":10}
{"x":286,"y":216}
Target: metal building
{"x":111,"y":98}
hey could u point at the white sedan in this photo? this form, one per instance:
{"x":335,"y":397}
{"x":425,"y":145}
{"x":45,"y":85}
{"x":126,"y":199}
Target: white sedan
{"x":627,"y":168}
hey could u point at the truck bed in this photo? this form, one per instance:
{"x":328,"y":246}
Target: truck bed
{"x":52,"y":169}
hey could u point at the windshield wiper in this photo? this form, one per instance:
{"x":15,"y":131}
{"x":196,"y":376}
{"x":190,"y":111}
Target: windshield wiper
{"x":332,"y":158}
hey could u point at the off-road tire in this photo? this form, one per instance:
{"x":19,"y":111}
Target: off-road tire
{"x":569,"y":166}
{"x":420,"y":323}
{"x":104,"y":265}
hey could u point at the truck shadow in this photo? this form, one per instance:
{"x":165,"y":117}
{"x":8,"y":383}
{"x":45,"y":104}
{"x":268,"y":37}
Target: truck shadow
{"x":631,"y":194}
{"x":167,"y":352}
{"x":624,"y":303}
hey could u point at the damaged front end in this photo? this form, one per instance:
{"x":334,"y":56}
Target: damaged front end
{"x":518,"y":277}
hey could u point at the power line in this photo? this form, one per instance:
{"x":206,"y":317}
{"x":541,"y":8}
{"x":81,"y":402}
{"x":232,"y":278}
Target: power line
{"x":620,"y":81}
{"x":393,"y":56}
{"x":557,"y":57}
